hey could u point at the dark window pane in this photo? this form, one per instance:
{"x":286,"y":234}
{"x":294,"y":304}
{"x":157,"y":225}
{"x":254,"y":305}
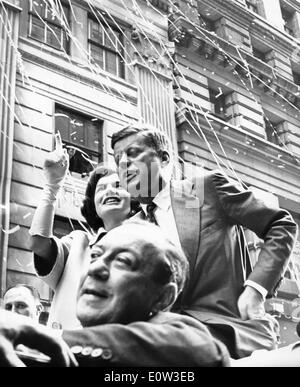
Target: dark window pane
{"x":77,"y":130}
{"x":63,"y":227}
{"x":37,"y":29}
{"x":54,"y":37}
{"x":97,"y":54}
{"x":111,"y":62}
{"x":92,"y":131}
{"x":121,"y":69}
{"x":96,"y":32}
{"x":110,"y":39}
{"x":62,"y":122}
{"x":120,"y":46}
{"x":65,"y":41}
{"x":271,"y":132}
{"x":219,"y":103}
{"x":79,"y":162}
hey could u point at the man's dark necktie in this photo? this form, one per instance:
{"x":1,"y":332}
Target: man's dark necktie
{"x":150,"y":213}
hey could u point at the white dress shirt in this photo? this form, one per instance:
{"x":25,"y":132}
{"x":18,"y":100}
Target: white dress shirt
{"x":164,"y":215}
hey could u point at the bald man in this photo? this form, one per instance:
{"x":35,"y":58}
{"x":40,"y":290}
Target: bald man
{"x":23,"y":300}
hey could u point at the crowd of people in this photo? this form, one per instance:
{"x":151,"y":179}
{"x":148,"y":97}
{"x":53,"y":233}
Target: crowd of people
{"x":164,"y":277}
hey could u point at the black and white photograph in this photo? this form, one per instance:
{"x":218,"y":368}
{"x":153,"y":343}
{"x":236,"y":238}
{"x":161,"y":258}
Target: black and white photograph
{"x":149,"y":186}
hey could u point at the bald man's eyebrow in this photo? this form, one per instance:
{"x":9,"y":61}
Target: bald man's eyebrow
{"x":96,"y":251}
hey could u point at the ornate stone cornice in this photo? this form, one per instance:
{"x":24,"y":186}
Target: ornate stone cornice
{"x":231,"y":9}
{"x":258,"y":26}
{"x":216,"y":49}
{"x":274,"y":38}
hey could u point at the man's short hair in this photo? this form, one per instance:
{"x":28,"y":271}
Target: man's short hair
{"x":178,"y":268}
{"x":34,"y":292}
{"x":154,"y":138}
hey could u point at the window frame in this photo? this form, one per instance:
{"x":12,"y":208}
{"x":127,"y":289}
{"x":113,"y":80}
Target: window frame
{"x":252,"y":6}
{"x":119,"y":43}
{"x":215,"y":102}
{"x":73,"y":115}
{"x":287,"y":17}
{"x":271,"y":131}
{"x":48,"y":25}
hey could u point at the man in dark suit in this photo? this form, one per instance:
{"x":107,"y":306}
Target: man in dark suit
{"x":133,"y":279}
{"x":206,"y":216}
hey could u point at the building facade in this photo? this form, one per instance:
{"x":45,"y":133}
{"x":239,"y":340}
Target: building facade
{"x":222,"y":78}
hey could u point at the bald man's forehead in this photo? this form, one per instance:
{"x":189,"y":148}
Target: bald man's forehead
{"x":20,"y":293}
{"x":130,"y":233}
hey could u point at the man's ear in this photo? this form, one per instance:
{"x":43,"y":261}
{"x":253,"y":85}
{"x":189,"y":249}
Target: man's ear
{"x":166,"y":298}
{"x":165,"y":158}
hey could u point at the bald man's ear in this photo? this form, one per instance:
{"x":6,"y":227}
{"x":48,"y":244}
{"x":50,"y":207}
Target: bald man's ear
{"x":39,"y":309}
{"x":166,"y":299}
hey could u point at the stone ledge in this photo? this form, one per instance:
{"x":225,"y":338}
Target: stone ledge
{"x":235,"y":135}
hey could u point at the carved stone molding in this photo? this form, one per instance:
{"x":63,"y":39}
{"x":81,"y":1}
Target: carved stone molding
{"x":215,"y":49}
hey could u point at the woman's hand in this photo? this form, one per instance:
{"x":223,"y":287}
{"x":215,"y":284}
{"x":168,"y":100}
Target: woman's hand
{"x":56,"y":163}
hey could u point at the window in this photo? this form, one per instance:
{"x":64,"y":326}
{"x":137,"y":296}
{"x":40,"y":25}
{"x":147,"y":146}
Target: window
{"x":206,"y":23}
{"x":296,"y":77}
{"x":63,"y":226}
{"x":259,"y":54}
{"x":288,"y":17}
{"x":218,"y":103}
{"x":106,"y":47}
{"x":45,"y":27}
{"x":252,"y":5}
{"x":271,"y":131}
{"x":82,"y":136}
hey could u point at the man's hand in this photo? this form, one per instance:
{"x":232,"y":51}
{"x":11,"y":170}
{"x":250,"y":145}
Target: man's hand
{"x":251,"y":304}
{"x":16,"y":329}
{"x":56,"y":163}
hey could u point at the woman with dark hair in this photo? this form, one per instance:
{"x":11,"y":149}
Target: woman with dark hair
{"x":96,"y":217}
{"x":60,"y":262}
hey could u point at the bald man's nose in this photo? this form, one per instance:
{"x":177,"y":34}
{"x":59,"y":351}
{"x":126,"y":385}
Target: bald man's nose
{"x":99,"y":269}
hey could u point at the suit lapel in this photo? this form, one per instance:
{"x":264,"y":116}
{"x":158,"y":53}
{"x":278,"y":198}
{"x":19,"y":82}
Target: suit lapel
{"x":186,"y":211}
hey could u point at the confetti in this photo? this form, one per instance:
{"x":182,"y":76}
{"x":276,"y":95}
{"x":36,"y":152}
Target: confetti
{"x":19,"y":263}
{"x":61,"y":115}
{"x":12,"y":231}
{"x":220,"y":93}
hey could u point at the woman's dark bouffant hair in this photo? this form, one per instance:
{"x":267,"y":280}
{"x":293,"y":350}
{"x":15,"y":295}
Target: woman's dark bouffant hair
{"x":88,"y":209}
